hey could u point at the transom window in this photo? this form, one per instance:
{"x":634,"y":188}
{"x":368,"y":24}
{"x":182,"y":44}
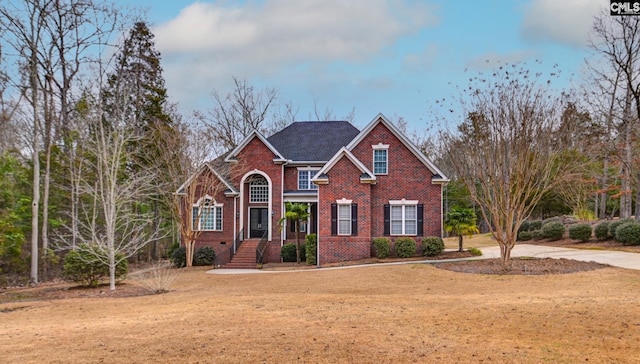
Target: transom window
{"x":304,"y":179}
{"x":380,"y":159}
{"x":404,"y":219}
{"x":344,"y":219}
{"x":259,"y":190}
{"x":207,"y":216}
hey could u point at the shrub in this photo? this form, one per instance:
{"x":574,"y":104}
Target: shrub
{"x":628,"y":233}
{"x":159,"y":279}
{"x":432,"y":245}
{"x":580,"y":232}
{"x":82,"y":266}
{"x":179,"y":257}
{"x":537,"y":234}
{"x":614,"y":225}
{"x":475,"y":251}
{"x":382,"y":246}
{"x":553,"y":230}
{"x":525,"y":235}
{"x":311,"y":249}
{"x":529,"y":225}
{"x":405,"y":247}
{"x":205,"y":255}
{"x":288,"y":252}
{"x":602,"y":231}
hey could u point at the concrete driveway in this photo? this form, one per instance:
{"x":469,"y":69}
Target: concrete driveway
{"x":613,"y":258}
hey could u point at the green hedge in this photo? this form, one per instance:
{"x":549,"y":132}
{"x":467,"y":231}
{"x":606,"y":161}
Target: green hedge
{"x":614,"y":225}
{"x":602,"y":231}
{"x":553,"y":230}
{"x":432,"y":245}
{"x":405,"y":247}
{"x":82,"y":266}
{"x":628,"y":233}
{"x":525,"y":235}
{"x":382,"y":247}
{"x":311,"y":249}
{"x":205,"y":255}
{"x":288,"y":252}
{"x":580,"y":232}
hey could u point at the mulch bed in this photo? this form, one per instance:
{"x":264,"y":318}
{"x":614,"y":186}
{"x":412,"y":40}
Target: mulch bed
{"x":521,"y":266}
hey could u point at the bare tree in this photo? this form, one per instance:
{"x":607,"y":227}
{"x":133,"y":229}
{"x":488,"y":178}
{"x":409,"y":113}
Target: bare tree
{"x":505,"y":151}
{"x":112,"y":227}
{"x":617,"y":41}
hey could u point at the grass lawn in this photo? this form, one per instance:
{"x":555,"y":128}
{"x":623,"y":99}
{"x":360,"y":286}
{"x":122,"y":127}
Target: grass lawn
{"x":373,"y":314}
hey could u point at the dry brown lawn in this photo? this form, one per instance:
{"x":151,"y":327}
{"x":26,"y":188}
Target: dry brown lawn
{"x":373,"y":314}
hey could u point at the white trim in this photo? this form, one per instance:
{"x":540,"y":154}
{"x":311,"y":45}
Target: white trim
{"x":344,"y":201}
{"x":386,"y":161}
{"x":403,"y":202}
{"x":380,"y":118}
{"x":336,"y":157}
{"x":212,"y":205}
{"x":180,"y":190}
{"x":380,"y":146}
{"x":348,"y":205}
{"x":310,"y":182}
{"x":254,"y":134}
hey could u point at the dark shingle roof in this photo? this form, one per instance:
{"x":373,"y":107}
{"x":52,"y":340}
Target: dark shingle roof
{"x":313,"y":140}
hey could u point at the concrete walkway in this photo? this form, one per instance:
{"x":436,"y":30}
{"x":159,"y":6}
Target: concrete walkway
{"x":613,"y":258}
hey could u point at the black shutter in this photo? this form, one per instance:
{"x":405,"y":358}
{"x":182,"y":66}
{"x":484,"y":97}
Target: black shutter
{"x":420,"y":220}
{"x":354,"y":219}
{"x":387,"y":220}
{"x":334,"y":219}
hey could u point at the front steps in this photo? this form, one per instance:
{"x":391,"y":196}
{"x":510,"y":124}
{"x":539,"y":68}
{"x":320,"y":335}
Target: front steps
{"x":245,"y":257}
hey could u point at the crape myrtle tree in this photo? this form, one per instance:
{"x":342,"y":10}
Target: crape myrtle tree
{"x":505,"y":151}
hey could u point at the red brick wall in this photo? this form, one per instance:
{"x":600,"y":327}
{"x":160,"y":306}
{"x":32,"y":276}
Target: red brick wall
{"x":344,"y":182}
{"x":407,"y":178}
{"x":290,"y":178}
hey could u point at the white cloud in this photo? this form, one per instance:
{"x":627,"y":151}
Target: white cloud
{"x":207,"y":43}
{"x":563,"y":21}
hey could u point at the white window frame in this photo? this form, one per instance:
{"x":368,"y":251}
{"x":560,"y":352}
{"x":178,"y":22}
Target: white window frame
{"x":403,"y":205}
{"x":261,"y":190}
{"x":310,"y":172}
{"x":377,"y":148}
{"x":209,"y":207}
{"x":344,"y":204}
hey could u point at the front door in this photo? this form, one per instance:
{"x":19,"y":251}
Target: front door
{"x":259,"y":222}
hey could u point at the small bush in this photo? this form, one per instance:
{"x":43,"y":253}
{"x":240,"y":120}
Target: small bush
{"x":432,"y":245}
{"x":311,"y":249}
{"x":179,"y":257}
{"x":475,"y":251}
{"x":580,"y":232}
{"x":159,"y":279}
{"x":602,"y":231}
{"x":382,"y":247}
{"x":525,"y":235}
{"x":553,"y":230}
{"x":628,"y":233}
{"x":537,"y":234}
{"x":405,"y":247}
{"x":288,"y":253}
{"x":535,"y":225}
{"x":205,"y":255}
{"x":82,"y":266}
{"x":614,"y":225}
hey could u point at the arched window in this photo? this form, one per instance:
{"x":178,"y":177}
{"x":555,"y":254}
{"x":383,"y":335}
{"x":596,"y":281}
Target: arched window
{"x":259,"y":190}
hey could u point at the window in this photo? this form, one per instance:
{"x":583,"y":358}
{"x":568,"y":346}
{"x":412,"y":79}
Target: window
{"x":207,"y":217}
{"x":380,"y":159}
{"x":403,"y":217}
{"x":304,"y":179}
{"x":259,"y":190}
{"x":344,"y":219}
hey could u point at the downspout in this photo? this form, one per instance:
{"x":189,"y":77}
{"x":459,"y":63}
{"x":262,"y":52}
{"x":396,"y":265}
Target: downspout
{"x":235,"y":223}
{"x":318,"y":230}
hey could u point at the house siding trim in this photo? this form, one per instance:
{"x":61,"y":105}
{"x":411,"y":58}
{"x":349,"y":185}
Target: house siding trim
{"x":243,"y":202}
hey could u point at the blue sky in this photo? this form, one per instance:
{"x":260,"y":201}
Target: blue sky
{"x":389,"y":56}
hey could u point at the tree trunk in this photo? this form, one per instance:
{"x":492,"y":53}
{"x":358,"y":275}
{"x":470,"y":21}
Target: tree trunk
{"x":603,"y":188}
{"x":460,"y":242}
{"x":298,"y":241}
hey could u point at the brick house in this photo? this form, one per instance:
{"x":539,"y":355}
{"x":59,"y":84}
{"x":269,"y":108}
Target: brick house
{"x":358,"y":185}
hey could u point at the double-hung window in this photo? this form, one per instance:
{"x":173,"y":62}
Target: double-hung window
{"x":403,"y":217}
{"x":207,"y":216}
{"x":344,"y":219}
{"x":304,"y":179}
{"x":380,"y":159}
